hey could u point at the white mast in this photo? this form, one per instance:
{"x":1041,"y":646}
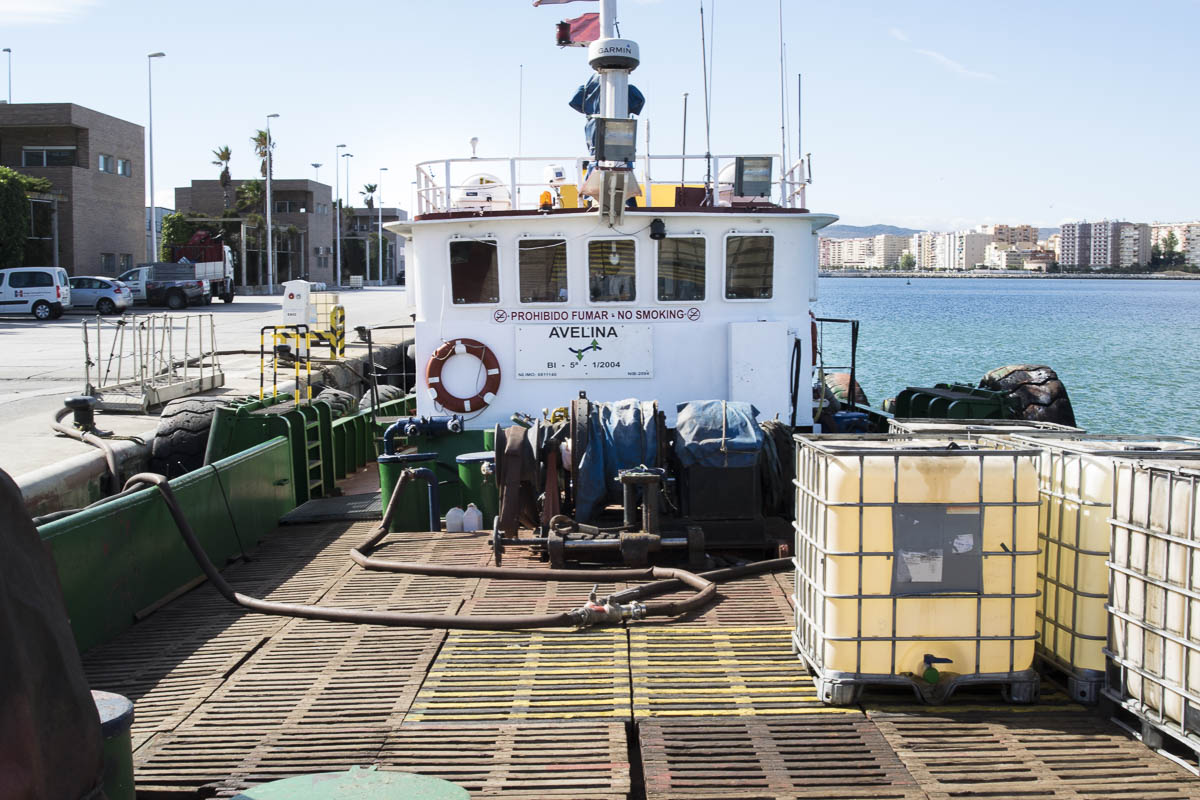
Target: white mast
{"x":613,"y":59}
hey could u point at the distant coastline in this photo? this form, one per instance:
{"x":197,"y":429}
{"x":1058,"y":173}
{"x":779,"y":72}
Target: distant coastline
{"x":1011,"y":274}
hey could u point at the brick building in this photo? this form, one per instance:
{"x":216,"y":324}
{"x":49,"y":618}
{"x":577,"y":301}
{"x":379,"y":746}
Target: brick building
{"x":96,"y":166}
{"x":306,"y":206}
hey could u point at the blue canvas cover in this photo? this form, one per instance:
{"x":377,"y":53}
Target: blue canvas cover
{"x":621,"y":435}
{"x":717,"y":433}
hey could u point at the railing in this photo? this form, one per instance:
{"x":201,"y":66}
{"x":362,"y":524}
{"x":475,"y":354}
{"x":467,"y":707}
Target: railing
{"x":138,"y":362}
{"x":441,"y":185}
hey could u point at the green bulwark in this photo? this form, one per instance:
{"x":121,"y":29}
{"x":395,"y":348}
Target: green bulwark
{"x":119,"y":559}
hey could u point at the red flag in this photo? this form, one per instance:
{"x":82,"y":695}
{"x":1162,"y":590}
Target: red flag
{"x":551,"y":2}
{"x":579,"y":32}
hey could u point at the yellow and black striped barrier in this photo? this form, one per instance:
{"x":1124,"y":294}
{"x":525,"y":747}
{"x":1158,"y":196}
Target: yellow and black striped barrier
{"x":298,"y":336}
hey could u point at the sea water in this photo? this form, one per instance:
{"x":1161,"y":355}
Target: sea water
{"x":1128,"y":351}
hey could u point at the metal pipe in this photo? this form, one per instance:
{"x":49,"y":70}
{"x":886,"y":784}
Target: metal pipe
{"x":431,"y":488}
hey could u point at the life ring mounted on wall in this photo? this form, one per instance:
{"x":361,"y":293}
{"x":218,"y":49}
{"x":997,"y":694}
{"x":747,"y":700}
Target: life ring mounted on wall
{"x":442,"y":396}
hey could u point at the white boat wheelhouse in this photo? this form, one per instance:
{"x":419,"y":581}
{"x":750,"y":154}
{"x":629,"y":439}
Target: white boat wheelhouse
{"x":607,"y":281}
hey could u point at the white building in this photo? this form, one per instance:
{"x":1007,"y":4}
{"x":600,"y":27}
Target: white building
{"x":886,"y":251}
{"x":923,"y":247}
{"x":1187,"y":237}
{"x":1075,"y":244}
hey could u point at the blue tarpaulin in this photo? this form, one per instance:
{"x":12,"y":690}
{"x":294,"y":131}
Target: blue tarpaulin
{"x":717,"y":433}
{"x":587,"y":101}
{"x":621,"y":435}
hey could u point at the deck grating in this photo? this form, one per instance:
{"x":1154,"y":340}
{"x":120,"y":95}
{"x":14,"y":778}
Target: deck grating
{"x":1031,"y":755}
{"x":822,"y":755}
{"x":227,"y":700}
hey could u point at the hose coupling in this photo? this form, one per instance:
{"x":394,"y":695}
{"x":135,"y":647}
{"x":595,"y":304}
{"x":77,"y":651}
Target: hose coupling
{"x":609,"y":613}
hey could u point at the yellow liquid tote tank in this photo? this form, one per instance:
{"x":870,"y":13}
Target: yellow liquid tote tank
{"x":1076,"y":484}
{"x":1154,"y":639}
{"x":916,"y":564}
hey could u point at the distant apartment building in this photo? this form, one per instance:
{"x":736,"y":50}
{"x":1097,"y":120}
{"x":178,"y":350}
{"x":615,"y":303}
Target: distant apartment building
{"x":886,"y":251}
{"x":969,"y":249}
{"x":1187,"y":238}
{"x":1133,"y":245}
{"x":924,"y":250}
{"x":1075,"y":245}
{"x":1105,"y":244}
{"x":96,"y":167}
{"x":1052,"y":245}
{"x":1011,"y":234}
{"x":302,"y":215}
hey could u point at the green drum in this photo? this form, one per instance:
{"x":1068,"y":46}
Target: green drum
{"x":413,"y":512}
{"x":477,"y":473}
{"x":116,"y":717}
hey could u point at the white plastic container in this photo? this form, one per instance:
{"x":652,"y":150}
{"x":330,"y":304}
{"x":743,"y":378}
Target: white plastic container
{"x":1154,"y":640}
{"x":472,"y":518}
{"x":454,"y":520}
{"x":908,"y":547}
{"x":1076,"y":487}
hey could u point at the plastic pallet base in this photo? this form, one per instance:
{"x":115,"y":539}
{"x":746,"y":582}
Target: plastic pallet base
{"x":1082,"y":686}
{"x":1168,"y":743}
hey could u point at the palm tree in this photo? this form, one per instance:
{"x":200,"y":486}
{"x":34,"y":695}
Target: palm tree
{"x":259,"y":140}
{"x":368,"y":193}
{"x":251,"y":196}
{"x":222,"y":156}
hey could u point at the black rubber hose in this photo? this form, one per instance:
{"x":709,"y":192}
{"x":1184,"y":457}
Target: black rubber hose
{"x":110,"y":457}
{"x":389,"y":618}
{"x":724,"y":575}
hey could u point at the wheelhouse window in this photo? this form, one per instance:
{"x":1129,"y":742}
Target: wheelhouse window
{"x":48,"y":157}
{"x":749,"y":267}
{"x":542,"y":270}
{"x":474,"y":271}
{"x":681,"y":268}
{"x":611,"y":270}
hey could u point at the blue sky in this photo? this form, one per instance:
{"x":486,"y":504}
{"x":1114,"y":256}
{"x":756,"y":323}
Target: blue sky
{"x":924,"y":114}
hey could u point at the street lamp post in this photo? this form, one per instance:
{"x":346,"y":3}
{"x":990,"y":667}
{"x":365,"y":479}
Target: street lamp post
{"x":9,"y":51}
{"x":316,"y":171}
{"x":337,"y":233}
{"x":379,"y":203}
{"x":154,"y":254}
{"x":270,"y":237}
{"x":346,"y":155}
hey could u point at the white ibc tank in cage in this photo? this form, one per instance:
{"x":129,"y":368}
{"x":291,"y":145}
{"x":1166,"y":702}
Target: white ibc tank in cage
{"x":1154,"y":639}
{"x":911,"y":547}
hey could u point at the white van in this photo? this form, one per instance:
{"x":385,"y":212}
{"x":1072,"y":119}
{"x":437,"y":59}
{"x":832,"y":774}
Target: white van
{"x":42,"y":291}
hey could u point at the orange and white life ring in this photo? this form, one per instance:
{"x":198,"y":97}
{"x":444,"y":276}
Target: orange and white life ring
{"x":438,"y":391}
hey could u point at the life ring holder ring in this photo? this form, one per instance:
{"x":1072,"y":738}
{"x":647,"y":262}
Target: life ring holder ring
{"x":442,"y":396}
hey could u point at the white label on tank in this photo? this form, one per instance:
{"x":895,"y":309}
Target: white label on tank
{"x":963,"y":543}
{"x":924,"y":566}
{"x":585,"y":351}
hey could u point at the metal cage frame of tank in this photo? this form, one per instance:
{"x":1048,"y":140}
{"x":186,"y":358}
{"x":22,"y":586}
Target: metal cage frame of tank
{"x":1084,"y":684}
{"x":974,"y":427}
{"x":1156,"y":723}
{"x":841,"y":688}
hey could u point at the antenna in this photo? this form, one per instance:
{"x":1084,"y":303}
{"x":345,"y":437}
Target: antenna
{"x":704,"y":52}
{"x":783,"y":153}
{"x":520,"y":123}
{"x":683,"y":150}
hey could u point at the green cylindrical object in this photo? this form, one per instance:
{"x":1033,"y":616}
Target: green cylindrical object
{"x":357,"y":783}
{"x":412,"y":514}
{"x":476,"y":472}
{"x":489,"y":439}
{"x":116,"y":717}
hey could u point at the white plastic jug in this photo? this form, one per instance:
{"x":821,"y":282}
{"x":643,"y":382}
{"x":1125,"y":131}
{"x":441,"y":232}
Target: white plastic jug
{"x":472,"y":518}
{"x":454,"y":520}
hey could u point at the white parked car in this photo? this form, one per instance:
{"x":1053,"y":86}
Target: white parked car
{"x":106,"y":295}
{"x":44,"y":292}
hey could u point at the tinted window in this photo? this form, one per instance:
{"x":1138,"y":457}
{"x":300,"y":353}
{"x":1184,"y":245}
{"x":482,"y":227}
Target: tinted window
{"x":749,"y":267}
{"x":131,"y":276}
{"x":60,"y":158}
{"x":542,"y":269}
{"x":681,"y":268}
{"x":474,"y":272}
{"x":611,"y":273}
{"x":30,"y":280}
